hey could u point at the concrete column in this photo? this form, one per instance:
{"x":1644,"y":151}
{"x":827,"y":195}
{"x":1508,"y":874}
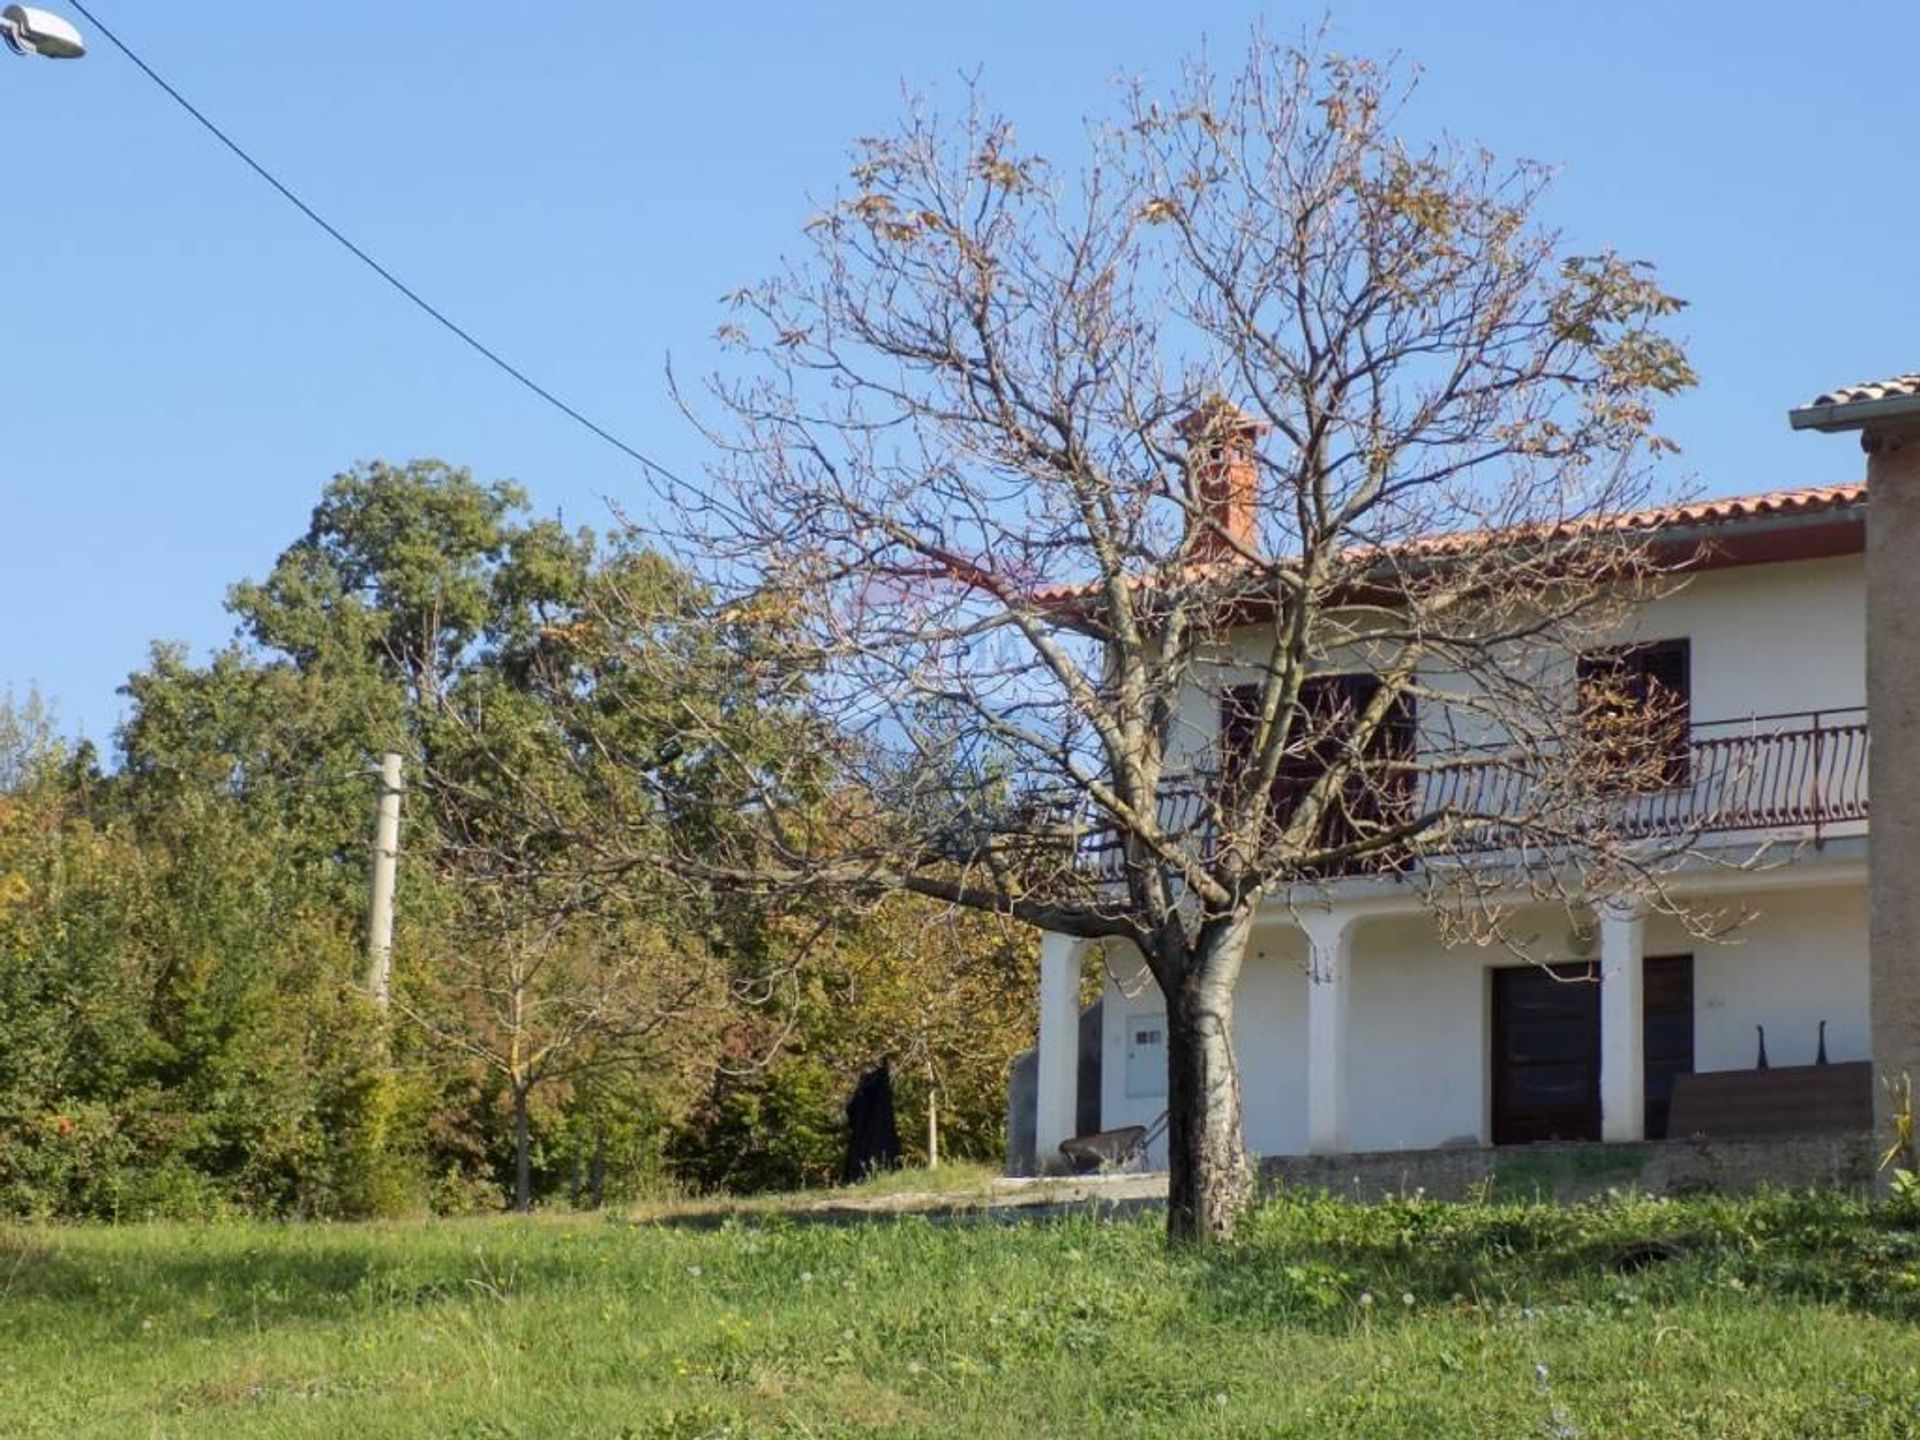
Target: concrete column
{"x":1623,"y":1031}
{"x":1058,"y":1062}
{"x":1893,"y":711}
{"x":1329,"y":1003}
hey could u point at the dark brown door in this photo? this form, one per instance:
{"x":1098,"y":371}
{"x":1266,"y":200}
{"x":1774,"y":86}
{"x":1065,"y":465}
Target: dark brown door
{"x":1668,"y":1002}
{"x":1546,"y":1054}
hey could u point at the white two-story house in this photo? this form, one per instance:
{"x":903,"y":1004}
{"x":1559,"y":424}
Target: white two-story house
{"x":1359,"y":1028}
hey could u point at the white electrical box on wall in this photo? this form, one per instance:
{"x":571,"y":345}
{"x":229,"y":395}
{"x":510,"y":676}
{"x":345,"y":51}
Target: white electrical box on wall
{"x":1146,"y":1054}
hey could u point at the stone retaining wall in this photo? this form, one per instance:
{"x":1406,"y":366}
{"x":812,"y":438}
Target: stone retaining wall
{"x":1573,"y":1172}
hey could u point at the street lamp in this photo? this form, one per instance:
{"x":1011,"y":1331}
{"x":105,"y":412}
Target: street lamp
{"x":28,"y":31}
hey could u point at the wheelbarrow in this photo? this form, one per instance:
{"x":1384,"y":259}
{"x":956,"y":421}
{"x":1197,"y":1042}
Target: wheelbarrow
{"x":1115,"y":1149}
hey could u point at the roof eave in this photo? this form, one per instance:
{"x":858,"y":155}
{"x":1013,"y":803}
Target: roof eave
{"x":1834,"y":516}
{"x":1855,"y":415}
{"x":1753,"y":539}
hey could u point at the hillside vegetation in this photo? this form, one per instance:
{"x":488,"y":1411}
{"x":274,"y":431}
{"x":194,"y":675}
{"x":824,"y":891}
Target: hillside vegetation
{"x":184,"y":1030}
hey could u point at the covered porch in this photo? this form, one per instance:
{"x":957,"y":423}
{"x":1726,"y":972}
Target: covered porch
{"x":1360,"y":1030}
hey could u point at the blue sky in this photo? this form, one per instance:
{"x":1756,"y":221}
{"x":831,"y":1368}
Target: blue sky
{"x":184,"y":361}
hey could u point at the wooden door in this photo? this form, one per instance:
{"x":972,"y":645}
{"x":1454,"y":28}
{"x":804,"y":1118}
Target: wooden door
{"x":1546,"y":1054}
{"x":1668,"y":1002}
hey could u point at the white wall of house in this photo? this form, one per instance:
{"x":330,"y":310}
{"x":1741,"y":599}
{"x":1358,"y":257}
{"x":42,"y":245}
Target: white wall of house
{"x":1801,"y":959}
{"x":1765,"y":639}
{"x":1271,"y":1028}
{"x":1769,"y":639}
{"x":1131,"y":1093}
{"x":1270,"y":1031}
{"x":1419,"y":1061}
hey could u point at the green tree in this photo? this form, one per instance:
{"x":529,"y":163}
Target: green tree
{"x":182,"y":1027}
{"x":945,"y":996}
{"x":539,"y":683}
{"x":174,"y":1033}
{"x":555,"y":764}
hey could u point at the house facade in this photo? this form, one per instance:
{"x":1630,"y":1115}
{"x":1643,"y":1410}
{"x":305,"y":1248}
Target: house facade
{"x":1360,"y":1027}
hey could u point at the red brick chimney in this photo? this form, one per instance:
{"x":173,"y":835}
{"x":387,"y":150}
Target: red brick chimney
{"x":1225,"y":479}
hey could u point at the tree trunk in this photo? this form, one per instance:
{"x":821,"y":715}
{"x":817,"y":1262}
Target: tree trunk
{"x":599,"y":1164}
{"x":522,"y":1152}
{"x":1209,"y":1182}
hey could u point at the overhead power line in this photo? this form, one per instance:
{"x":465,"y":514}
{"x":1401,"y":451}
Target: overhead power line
{"x":434,"y":312}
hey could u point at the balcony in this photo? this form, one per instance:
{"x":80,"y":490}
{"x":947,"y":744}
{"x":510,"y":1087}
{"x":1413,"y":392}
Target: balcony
{"x":1787,"y":777}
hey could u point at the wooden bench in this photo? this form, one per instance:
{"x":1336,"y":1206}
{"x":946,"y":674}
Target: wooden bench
{"x":1784,"y":1100}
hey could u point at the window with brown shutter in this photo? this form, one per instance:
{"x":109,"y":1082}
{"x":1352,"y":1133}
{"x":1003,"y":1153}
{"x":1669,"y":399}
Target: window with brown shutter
{"x":1375,"y":796}
{"x":1635,"y":703}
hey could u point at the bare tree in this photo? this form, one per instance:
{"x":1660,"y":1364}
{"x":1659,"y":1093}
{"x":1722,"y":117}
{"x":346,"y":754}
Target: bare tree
{"x":1165,"y":536}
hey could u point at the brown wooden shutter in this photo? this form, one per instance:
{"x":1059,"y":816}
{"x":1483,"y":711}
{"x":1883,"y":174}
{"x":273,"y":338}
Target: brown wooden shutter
{"x":1666,"y":670}
{"x":1331,"y":706}
{"x":1239,"y":713}
{"x":1638,"y":699}
{"x":1667,"y":1027}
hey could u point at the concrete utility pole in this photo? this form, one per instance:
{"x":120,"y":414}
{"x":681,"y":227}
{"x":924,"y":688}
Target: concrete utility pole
{"x":386,"y":860}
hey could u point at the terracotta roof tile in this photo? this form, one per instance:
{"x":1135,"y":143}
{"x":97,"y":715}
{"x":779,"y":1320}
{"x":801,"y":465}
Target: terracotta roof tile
{"x":1807,"y":500}
{"x":1893,"y":389}
{"x":1811,"y":500}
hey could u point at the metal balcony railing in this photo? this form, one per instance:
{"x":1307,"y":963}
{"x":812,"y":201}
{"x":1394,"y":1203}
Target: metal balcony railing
{"x":1788,"y":776}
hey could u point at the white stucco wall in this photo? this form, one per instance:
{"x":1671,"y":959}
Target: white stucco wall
{"x":1270,"y":1028}
{"x":1270,"y":1025}
{"x":1416,"y":1073}
{"x":1418,"y":1063}
{"x":1802,"y":959}
{"x":1769,"y":639}
{"x":1130,"y":998}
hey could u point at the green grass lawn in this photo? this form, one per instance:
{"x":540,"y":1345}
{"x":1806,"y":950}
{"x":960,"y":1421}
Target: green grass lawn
{"x":1777,"y":1317}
